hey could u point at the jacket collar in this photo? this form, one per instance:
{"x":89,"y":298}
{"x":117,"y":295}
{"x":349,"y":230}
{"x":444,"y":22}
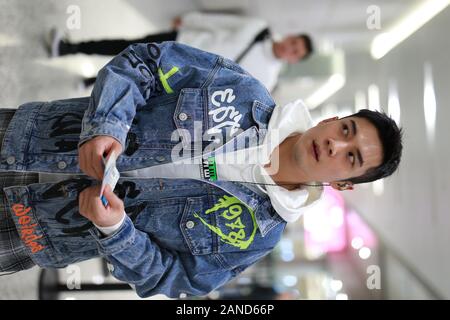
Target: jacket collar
{"x":265,"y":216}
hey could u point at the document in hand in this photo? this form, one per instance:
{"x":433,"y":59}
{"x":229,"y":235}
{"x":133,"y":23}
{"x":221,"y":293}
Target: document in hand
{"x":110,"y":176}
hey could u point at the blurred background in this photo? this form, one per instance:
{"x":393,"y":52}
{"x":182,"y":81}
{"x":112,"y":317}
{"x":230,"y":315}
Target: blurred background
{"x":383,"y":240}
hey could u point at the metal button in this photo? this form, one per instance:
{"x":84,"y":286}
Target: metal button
{"x":160,"y":158}
{"x":182,"y":116}
{"x":190,"y":224}
{"x":62,"y":165}
{"x":11,"y":160}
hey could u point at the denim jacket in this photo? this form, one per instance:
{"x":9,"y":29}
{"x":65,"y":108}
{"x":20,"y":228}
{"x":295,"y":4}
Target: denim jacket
{"x":180,"y":235}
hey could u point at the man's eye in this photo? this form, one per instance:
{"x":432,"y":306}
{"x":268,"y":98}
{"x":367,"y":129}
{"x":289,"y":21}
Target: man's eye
{"x":345,"y":130}
{"x":351,"y":157}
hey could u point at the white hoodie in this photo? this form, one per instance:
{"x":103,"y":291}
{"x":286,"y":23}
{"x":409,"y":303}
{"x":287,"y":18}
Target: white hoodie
{"x":291,"y":119}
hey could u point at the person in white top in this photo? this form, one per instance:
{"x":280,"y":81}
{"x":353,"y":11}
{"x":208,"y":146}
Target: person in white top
{"x":243,"y":39}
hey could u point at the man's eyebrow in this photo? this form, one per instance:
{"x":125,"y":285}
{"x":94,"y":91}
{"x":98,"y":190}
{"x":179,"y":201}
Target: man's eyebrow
{"x":355,"y":131}
{"x":361,"y":161}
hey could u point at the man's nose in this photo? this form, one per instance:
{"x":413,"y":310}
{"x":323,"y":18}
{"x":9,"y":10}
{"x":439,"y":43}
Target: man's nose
{"x":336,"y":146}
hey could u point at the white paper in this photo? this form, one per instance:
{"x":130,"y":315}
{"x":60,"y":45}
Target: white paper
{"x":110,"y":176}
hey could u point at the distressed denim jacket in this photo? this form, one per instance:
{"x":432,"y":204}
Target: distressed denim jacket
{"x":180,"y":235}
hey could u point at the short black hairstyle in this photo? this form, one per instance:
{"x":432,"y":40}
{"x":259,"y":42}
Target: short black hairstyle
{"x":308,"y":44}
{"x":391,"y":140}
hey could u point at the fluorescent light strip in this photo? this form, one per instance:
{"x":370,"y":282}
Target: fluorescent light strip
{"x":333,"y":85}
{"x":429,"y":102}
{"x":374,"y":97}
{"x":360,"y":100}
{"x":385,"y":42}
{"x":394,"y":102}
{"x":378,"y":187}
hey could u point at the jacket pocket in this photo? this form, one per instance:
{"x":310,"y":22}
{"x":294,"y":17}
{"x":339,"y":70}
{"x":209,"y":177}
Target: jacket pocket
{"x":198,"y":226}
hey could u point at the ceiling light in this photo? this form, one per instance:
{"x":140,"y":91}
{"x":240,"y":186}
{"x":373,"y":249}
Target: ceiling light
{"x":357,"y":243}
{"x":364,"y":253}
{"x":378,"y":187}
{"x":429,"y":102}
{"x":360,"y":101}
{"x":385,"y":42}
{"x":394,"y":103}
{"x":374,"y":97}
{"x":333,"y":85}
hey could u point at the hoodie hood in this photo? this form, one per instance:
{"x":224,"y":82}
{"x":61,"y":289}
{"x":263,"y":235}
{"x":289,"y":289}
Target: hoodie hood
{"x":290,"y":119}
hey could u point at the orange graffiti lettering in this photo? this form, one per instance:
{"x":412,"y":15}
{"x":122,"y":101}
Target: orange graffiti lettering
{"x":27,"y":230}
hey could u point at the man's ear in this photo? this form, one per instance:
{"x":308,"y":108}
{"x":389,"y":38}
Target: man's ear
{"x":329,"y":120}
{"x":342,"y":185}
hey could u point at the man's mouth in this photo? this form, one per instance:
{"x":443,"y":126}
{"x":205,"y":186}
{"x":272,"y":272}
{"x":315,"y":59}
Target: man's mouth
{"x":316,"y":150}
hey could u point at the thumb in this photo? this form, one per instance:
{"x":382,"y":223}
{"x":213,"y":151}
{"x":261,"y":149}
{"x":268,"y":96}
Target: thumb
{"x":117,"y":147}
{"x":113,"y":146}
{"x":113,"y":200}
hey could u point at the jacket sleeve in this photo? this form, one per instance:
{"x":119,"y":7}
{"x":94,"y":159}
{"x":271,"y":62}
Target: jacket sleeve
{"x":140,"y":73}
{"x":151,"y":269}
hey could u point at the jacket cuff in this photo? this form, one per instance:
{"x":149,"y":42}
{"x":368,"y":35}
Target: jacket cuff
{"x":108,"y":231}
{"x":117,"y":130}
{"x":118,"y":241}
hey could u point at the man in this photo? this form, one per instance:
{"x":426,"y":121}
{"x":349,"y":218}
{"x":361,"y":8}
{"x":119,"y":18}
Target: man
{"x":174,"y":226}
{"x":245,"y":40}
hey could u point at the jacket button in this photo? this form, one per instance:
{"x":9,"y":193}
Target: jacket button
{"x":182,"y":116}
{"x":190,"y":224}
{"x":62,"y":165}
{"x":160,"y":158}
{"x":11,"y":160}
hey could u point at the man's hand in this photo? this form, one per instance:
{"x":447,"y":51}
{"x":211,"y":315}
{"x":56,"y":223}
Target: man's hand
{"x":90,"y":155}
{"x":91,"y":207}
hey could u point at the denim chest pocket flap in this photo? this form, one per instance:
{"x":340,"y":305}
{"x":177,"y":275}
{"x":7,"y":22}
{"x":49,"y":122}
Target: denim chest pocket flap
{"x":190,"y":114}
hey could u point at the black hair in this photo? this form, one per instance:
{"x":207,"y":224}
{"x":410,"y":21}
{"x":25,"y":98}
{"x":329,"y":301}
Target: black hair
{"x":308,"y":44}
{"x":391,"y":140}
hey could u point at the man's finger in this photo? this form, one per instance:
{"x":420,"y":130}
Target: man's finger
{"x":91,"y":194}
{"x":117,"y":148}
{"x":82,"y":203}
{"x":113,"y":200}
{"x":81,"y":159}
{"x":96,"y":161}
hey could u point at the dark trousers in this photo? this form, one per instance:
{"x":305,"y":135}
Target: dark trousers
{"x":113,"y":47}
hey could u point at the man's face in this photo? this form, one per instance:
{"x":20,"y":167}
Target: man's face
{"x":338,"y":149}
{"x":291,"y":49}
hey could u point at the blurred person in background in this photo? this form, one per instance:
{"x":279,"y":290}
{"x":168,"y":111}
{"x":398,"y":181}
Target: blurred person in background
{"x":243,"y":39}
